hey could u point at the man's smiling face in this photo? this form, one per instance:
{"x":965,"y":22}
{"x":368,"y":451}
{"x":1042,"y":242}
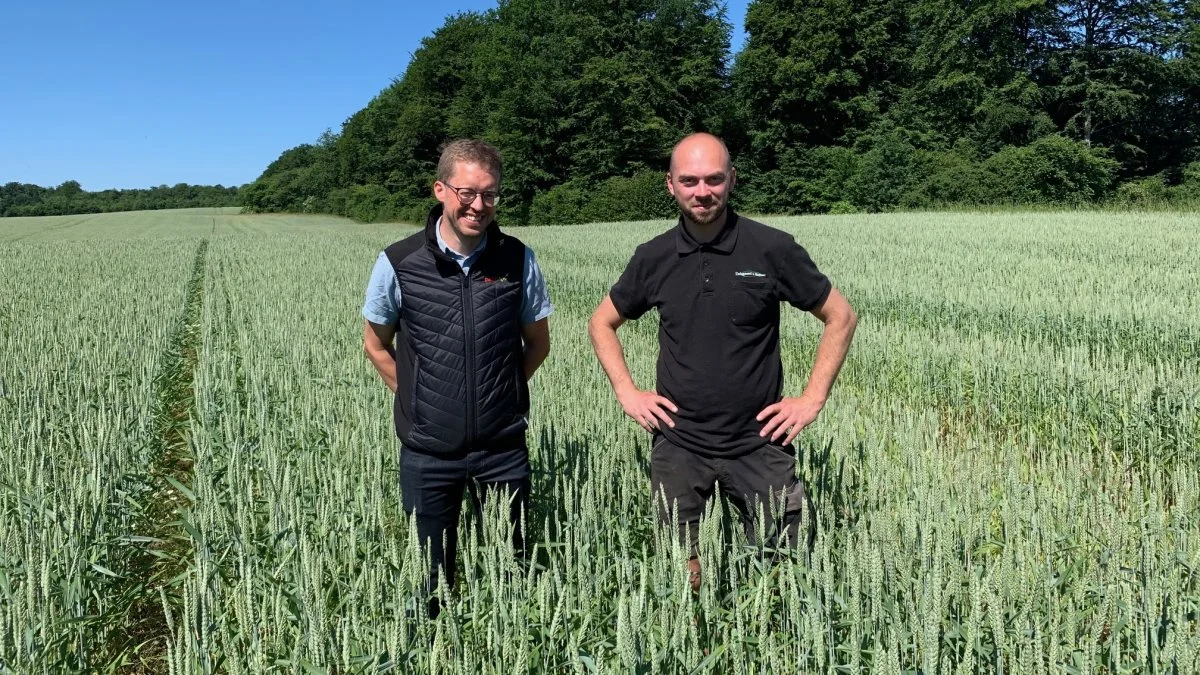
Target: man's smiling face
{"x":701,"y":178}
{"x":467,"y":220}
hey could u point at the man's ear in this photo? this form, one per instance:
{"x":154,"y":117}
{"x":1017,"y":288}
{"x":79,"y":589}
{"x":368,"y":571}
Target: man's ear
{"x":670,"y":187}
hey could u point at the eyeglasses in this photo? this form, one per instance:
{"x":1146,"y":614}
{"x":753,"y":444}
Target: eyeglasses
{"x":467,"y":195}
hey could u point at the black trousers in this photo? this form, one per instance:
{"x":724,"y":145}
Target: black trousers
{"x":432,"y":487}
{"x":762,"y":482}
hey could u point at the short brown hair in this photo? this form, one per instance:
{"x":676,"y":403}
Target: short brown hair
{"x":469,"y":150}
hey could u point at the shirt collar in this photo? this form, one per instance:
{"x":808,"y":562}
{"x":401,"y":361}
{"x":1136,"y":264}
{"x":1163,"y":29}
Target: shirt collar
{"x":445,"y":248}
{"x":723,"y":242}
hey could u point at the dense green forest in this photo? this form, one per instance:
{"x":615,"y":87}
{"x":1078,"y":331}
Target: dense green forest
{"x":830,"y":106}
{"x":24,"y":199}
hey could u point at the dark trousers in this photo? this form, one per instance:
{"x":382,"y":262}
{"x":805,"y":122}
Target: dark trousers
{"x":760,"y":482}
{"x":432,"y":487}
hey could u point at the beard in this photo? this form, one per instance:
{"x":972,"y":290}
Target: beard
{"x":707,"y":216}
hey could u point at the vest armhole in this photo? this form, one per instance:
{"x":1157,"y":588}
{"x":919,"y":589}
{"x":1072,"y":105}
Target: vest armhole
{"x":514,"y":259}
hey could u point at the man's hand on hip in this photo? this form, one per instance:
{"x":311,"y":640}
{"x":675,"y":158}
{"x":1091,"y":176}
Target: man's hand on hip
{"x":647,"y":408}
{"x":789,"y":414}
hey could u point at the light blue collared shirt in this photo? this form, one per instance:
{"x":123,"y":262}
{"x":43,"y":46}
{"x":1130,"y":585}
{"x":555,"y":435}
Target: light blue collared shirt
{"x":382,"y":305}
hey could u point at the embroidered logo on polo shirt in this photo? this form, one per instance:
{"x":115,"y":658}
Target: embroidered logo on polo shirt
{"x":750,"y":273}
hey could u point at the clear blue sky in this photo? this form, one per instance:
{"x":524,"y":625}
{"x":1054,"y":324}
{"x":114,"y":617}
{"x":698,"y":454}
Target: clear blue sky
{"x":136,"y":94}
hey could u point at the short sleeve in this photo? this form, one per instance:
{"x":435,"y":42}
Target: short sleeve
{"x":382,"y":304}
{"x":801,"y":284}
{"x":629,"y":293}
{"x":535,"y":300}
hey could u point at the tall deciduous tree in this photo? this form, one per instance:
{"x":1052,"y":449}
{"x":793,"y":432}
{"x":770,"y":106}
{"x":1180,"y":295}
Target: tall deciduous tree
{"x":814,"y":73}
{"x":569,"y":90}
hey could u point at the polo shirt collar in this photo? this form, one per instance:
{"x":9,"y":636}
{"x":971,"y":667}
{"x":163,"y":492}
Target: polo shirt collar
{"x":433,"y":235}
{"x":445,"y":248}
{"x":723,"y":242}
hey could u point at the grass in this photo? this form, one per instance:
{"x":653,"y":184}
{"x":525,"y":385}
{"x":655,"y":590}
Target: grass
{"x":1004,"y":476}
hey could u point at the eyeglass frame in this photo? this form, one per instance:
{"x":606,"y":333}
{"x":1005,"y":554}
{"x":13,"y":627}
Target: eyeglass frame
{"x":494,"y":199}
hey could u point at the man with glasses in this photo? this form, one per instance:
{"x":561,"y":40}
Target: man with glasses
{"x":456,"y":324}
{"x":717,"y":280}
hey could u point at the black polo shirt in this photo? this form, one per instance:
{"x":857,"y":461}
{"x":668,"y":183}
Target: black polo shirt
{"x":718,"y":325}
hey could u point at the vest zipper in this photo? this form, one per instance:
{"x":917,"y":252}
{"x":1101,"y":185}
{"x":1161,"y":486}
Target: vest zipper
{"x":469,"y":357}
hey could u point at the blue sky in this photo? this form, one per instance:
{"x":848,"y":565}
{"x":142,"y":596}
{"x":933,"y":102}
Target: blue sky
{"x":135,"y":94}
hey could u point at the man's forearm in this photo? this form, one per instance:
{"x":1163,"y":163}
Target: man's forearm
{"x":831,"y":353}
{"x":385,"y":365}
{"x":533,"y":358}
{"x":611,"y":357}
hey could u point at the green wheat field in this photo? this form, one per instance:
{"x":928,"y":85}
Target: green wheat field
{"x":198,"y":471}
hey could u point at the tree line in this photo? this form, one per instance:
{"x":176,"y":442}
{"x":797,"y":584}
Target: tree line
{"x":830,"y":106}
{"x":25,"y":199}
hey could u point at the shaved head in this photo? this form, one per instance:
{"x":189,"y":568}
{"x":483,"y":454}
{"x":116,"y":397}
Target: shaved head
{"x":701,"y":178}
{"x":701,"y":146}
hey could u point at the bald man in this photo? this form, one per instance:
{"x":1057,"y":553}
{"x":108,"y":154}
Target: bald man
{"x":718,"y":413}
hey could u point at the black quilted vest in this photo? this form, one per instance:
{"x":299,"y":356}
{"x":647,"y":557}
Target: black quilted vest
{"x":460,"y":380}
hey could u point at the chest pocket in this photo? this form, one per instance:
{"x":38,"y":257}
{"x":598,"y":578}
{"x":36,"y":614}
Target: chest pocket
{"x":504,"y":292}
{"x":498,"y":280}
{"x":750,"y":301}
